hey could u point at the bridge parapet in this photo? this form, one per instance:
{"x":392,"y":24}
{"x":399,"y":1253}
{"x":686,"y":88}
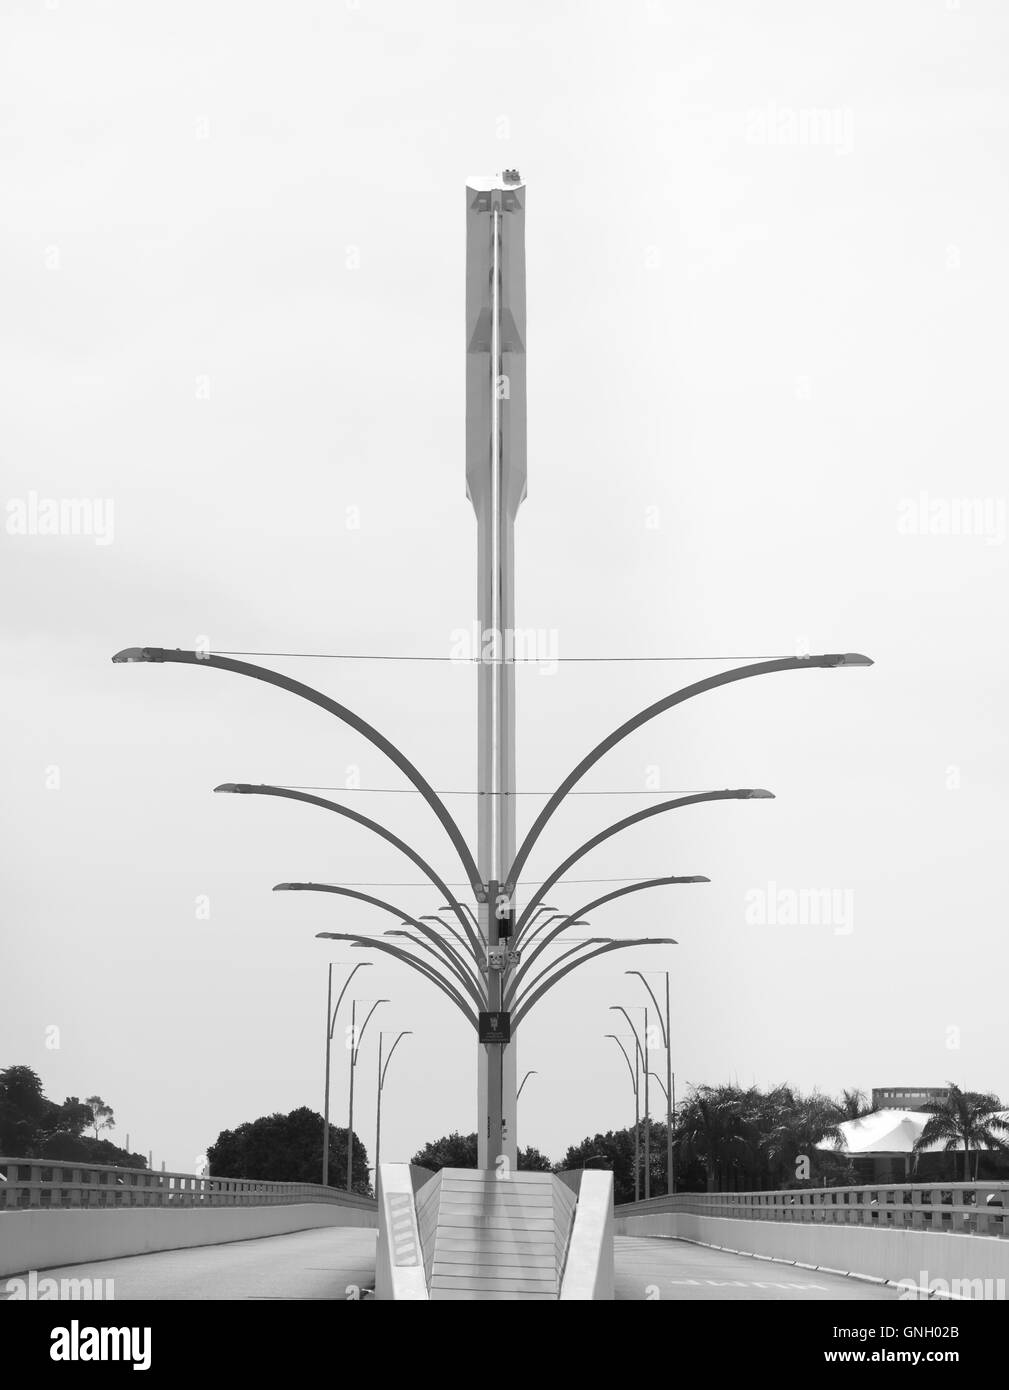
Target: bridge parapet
{"x":48,"y":1184}
{"x":966,"y":1208}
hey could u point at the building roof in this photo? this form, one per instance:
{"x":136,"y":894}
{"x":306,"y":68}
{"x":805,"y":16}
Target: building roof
{"x":886,"y":1132}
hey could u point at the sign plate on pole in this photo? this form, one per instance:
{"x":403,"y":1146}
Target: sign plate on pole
{"x":496,"y":1027}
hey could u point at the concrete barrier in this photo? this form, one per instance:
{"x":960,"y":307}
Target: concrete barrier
{"x":49,"y":1239}
{"x":399,"y":1258}
{"x":588,"y":1272}
{"x":976,"y":1265}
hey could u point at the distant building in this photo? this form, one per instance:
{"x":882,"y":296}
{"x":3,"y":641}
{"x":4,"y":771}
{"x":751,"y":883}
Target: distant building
{"x":907,"y":1097}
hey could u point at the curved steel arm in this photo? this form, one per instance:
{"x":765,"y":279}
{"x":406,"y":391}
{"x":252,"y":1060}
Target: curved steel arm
{"x":471,"y":986}
{"x":542,"y":975}
{"x":359,"y":1039}
{"x":473,"y":947}
{"x":597,"y":902}
{"x":738,"y":673}
{"x":538,"y":994}
{"x":265,"y":789}
{"x":364,"y":898}
{"x":658,"y":1011}
{"x":421,"y":968}
{"x":619,"y":1008}
{"x":315,"y":697}
{"x":741,"y":794}
{"x":343,"y":991}
{"x":406,"y":1033}
{"x":634,"y":1079}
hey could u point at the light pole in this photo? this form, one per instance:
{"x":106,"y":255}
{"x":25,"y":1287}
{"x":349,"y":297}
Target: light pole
{"x":355,"y":1043}
{"x":406,"y":1033}
{"x":331,"y":1014}
{"x":495,"y":447}
{"x":635,"y":1072}
{"x":523,"y":1082}
{"x":643,"y":1049}
{"x":667,"y":1044}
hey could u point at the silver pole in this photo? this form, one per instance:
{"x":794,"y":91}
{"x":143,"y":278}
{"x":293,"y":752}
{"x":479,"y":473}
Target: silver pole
{"x":495,"y":481}
{"x":350,"y":1116}
{"x":325,"y":1108}
{"x":670,"y":1172}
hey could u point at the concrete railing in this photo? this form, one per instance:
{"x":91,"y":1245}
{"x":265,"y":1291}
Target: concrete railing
{"x":974,"y":1208}
{"x":33,"y":1184}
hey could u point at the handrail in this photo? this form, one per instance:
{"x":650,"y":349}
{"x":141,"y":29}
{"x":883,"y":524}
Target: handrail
{"x":921,"y":1206}
{"x":41,"y":1183}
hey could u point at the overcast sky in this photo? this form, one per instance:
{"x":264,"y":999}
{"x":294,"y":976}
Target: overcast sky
{"x":767,"y":297}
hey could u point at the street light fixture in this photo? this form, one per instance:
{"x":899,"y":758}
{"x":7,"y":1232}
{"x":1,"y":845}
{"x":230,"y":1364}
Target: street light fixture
{"x":635,"y":1072}
{"x":494,"y":1104}
{"x":406,"y":1033}
{"x":670,"y":1093}
{"x":331,"y":1014}
{"x":356,"y":1038}
{"x":643,"y":1054}
{"x":523,"y":1082}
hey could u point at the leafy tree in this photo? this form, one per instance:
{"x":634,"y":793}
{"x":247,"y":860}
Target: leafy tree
{"x":967,"y":1120}
{"x":287,"y":1148}
{"x":457,"y":1150}
{"x":25,"y":1112}
{"x":32,"y":1126}
{"x":615,"y":1150}
{"x":102,"y":1116}
{"x":853,"y":1105}
{"x":73,"y":1117}
{"x":70,"y":1148}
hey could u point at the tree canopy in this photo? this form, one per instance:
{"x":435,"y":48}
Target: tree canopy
{"x":457,"y":1150}
{"x":32,"y":1126}
{"x":287,"y":1148}
{"x":967,"y":1120}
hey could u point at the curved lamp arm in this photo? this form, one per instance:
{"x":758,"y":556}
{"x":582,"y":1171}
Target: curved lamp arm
{"x":619,"y":1009}
{"x":529,"y":936}
{"x":658,"y":1011}
{"x":538,"y":994}
{"x":359,"y":1039}
{"x":447,"y":907}
{"x":524,"y":968}
{"x":315,"y":697}
{"x":598,"y":902}
{"x":630,"y":1068}
{"x":371,"y":944}
{"x":339,"y":1001}
{"x":738,"y":673}
{"x":468,"y":983}
{"x":406,"y":1033}
{"x":742,"y":794}
{"x":364,"y":898}
{"x":264,"y":789}
{"x":474,"y":946}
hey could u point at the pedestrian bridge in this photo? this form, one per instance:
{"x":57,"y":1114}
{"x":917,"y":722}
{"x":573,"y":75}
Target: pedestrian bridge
{"x":463,"y":1234}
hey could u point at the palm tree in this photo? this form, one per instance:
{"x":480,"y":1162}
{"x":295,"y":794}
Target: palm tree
{"x":853,"y":1105}
{"x":965,"y":1118}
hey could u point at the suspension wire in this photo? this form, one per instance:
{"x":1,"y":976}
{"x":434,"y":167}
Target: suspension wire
{"x":532,"y":883}
{"x":486,"y":661}
{"x":412,"y":791}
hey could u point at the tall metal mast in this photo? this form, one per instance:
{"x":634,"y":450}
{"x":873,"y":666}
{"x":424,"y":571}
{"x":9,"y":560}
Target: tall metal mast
{"x":496,"y":485}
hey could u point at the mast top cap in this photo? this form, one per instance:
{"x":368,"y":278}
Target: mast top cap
{"x":486,"y":183}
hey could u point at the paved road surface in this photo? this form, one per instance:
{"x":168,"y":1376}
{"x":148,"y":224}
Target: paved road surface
{"x":322,"y":1263}
{"x":650,"y":1266}
{"x":331,"y":1262}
